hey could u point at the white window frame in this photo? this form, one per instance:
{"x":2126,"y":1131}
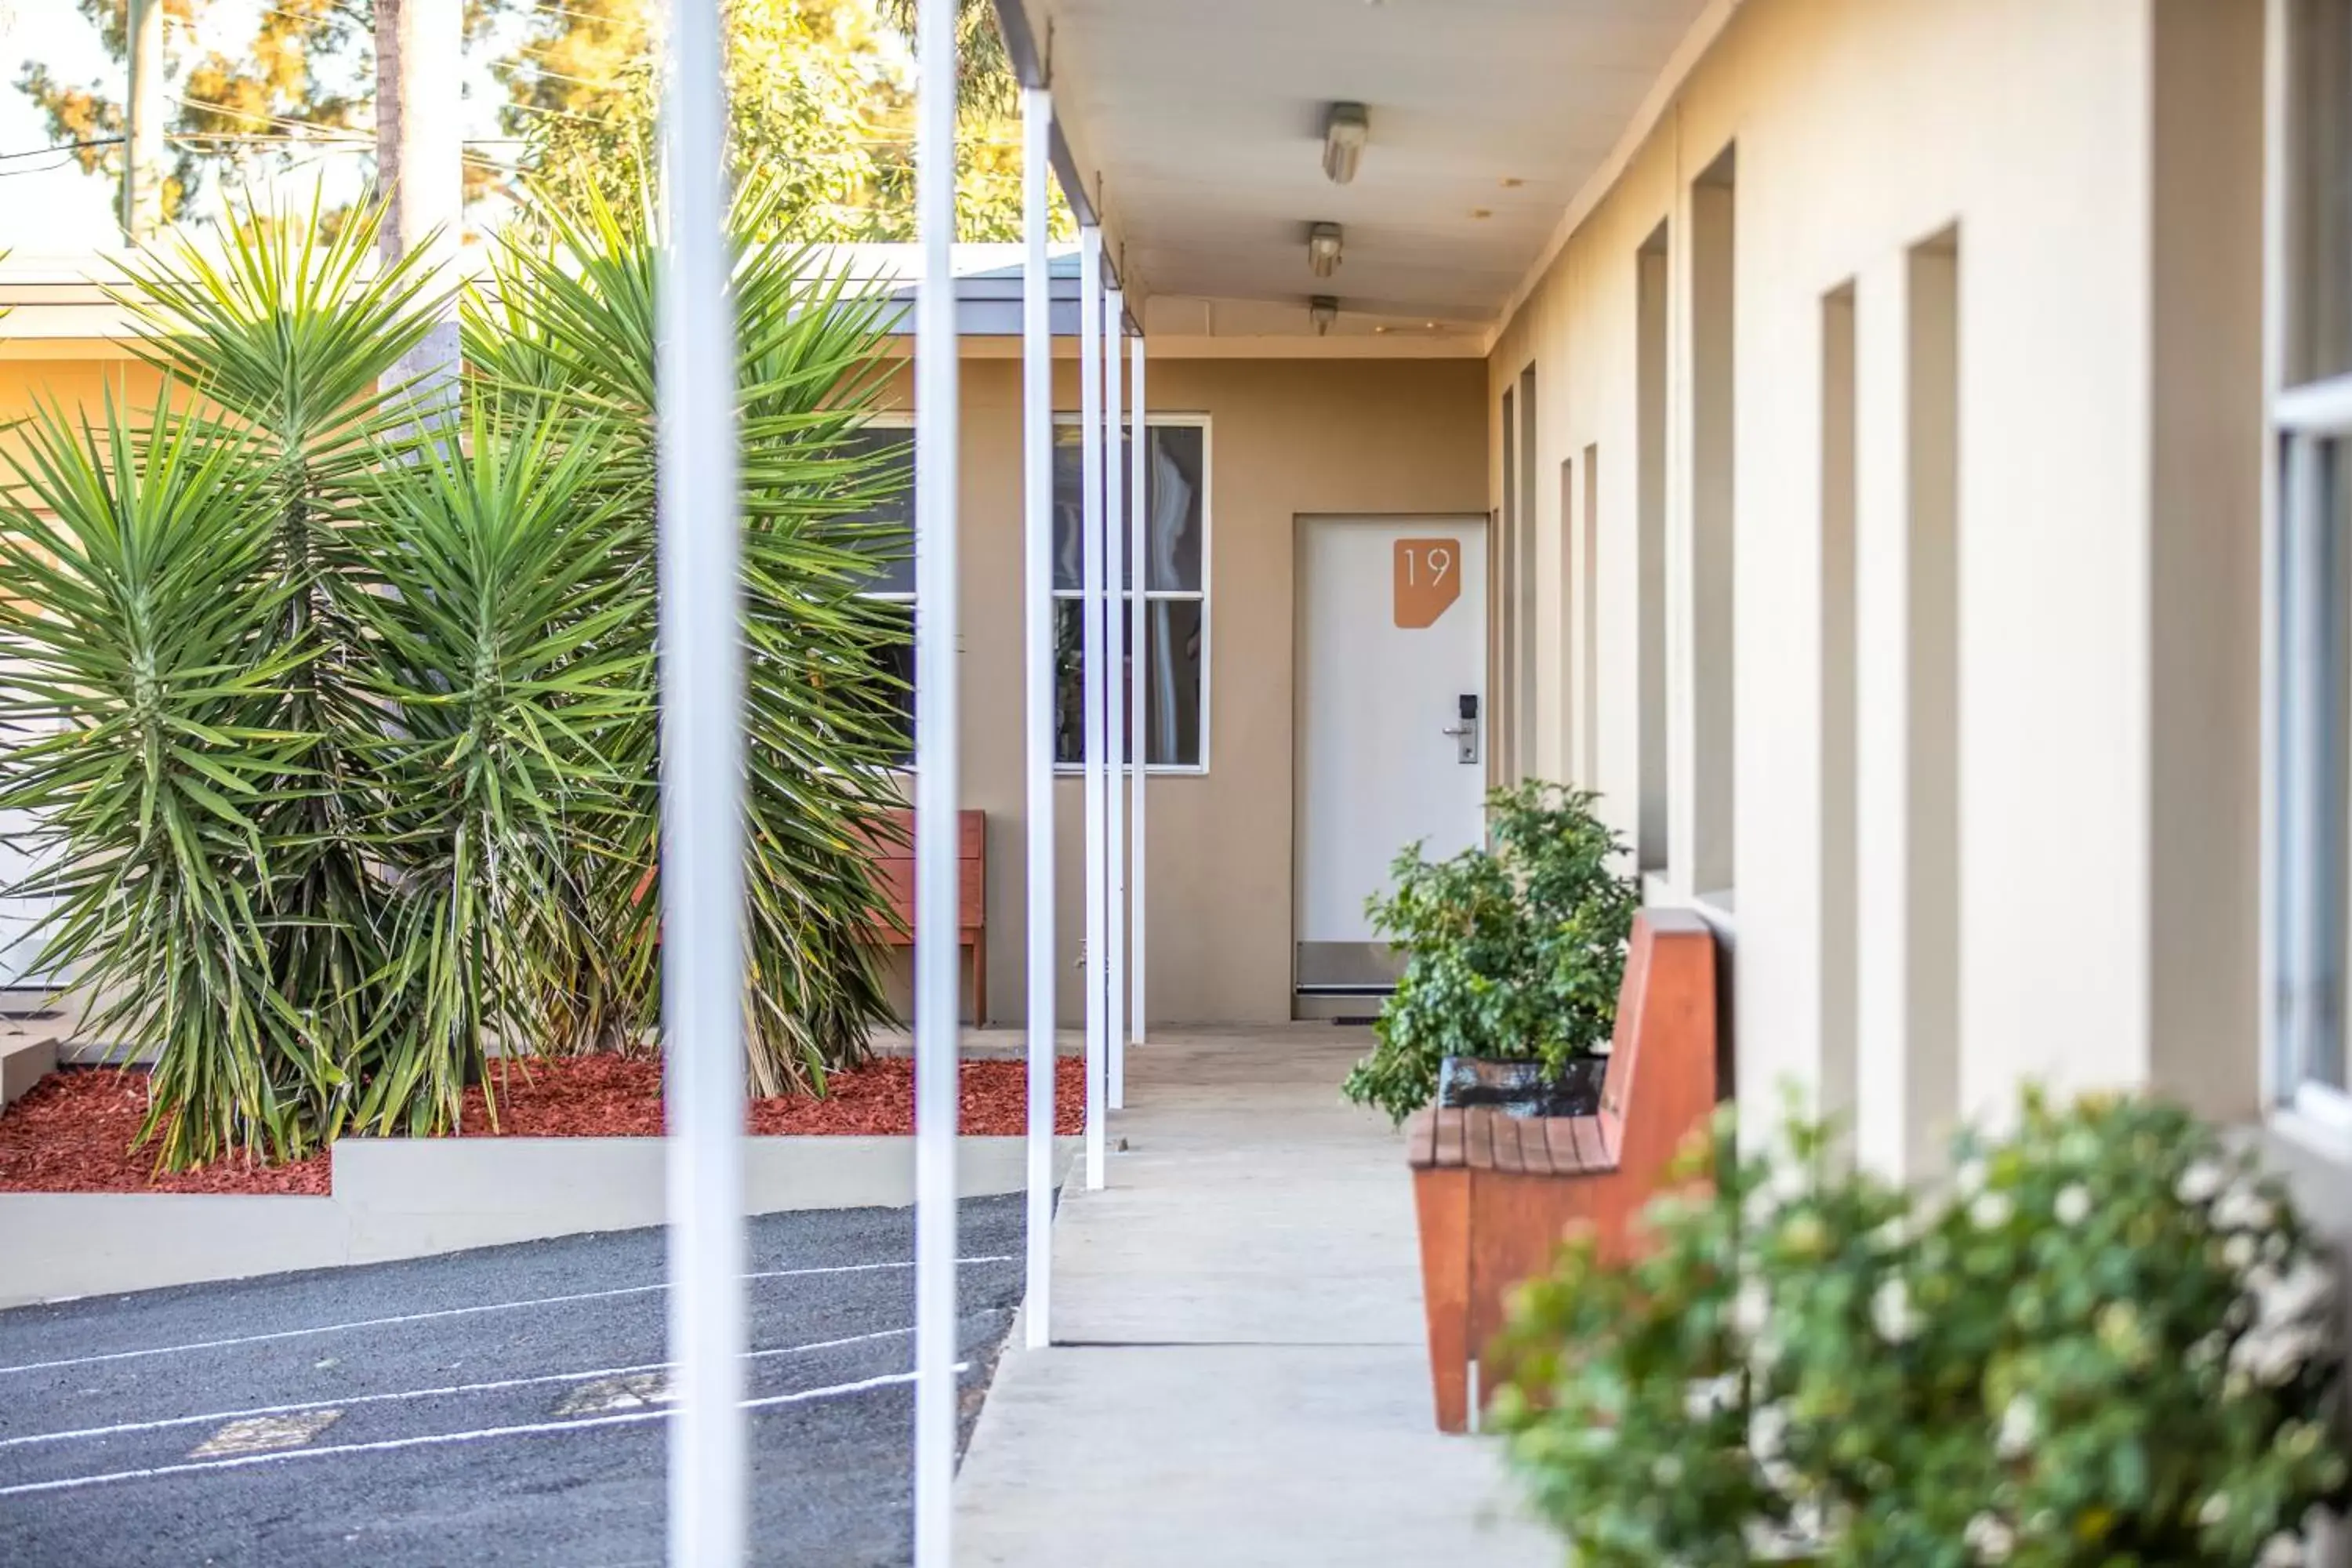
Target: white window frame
{"x":1205,"y":594}
{"x":2307,"y":634}
{"x":897,"y":419}
{"x":2307,"y":658}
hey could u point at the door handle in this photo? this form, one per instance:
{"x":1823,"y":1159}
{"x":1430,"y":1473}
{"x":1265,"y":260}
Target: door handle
{"x":1464,"y":733}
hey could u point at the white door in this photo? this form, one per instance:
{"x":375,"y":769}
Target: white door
{"x":1390,"y":726}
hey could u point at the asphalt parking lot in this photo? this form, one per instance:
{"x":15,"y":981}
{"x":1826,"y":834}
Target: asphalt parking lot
{"x":499,"y":1406}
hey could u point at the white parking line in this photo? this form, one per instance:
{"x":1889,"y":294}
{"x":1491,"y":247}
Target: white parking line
{"x":437,"y":1439}
{"x":454,"y":1312}
{"x":165,"y":1423}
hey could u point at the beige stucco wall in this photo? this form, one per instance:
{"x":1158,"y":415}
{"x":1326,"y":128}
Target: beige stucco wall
{"x":68,"y":375}
{"x":1286,"y":437}
{"x":2101,"y":164}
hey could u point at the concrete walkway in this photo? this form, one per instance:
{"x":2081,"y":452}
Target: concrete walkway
{"x":1238,"y":1375}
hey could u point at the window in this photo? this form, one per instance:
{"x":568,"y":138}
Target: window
{"x":1175,"y":595}
{"x":2306,"y":874}
{"x":893,"y":581}
{"x":2310,"y":568}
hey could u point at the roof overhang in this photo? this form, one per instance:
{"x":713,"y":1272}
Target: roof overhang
{"x":1194,"y":133}
{"x":58,"y":305}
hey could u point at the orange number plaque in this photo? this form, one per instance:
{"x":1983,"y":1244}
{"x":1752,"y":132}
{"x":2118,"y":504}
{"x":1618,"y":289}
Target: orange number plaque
{"x":1428,"y":579}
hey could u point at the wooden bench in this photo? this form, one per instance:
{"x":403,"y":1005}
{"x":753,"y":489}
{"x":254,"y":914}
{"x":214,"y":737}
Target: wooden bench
{"x":1495,"y":1193}
{"x":894,"y":875}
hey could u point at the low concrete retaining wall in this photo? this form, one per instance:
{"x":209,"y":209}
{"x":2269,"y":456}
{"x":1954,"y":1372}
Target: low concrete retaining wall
{"x":398,"y":1197}
{"x":25,"y":1058}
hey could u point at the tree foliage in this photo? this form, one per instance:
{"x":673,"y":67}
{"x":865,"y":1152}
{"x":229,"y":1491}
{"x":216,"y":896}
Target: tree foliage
{"x":822,"y":100}
{"x":307,"y":72}
{"x":822,"y":103}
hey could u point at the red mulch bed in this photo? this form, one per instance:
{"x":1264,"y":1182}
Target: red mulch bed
{"x":72,"y":1133}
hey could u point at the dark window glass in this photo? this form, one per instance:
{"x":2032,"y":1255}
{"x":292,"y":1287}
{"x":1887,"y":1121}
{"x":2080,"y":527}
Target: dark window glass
{"x":1173,"y":704}
{"x":1177,"y":499}
{"x":2319,"y":230}
{"x":887,"y":528}
{"x":893,"y":662}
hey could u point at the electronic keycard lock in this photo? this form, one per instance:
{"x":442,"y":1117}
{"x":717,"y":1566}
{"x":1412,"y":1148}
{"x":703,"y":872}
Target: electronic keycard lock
{"x":1465,"y":734}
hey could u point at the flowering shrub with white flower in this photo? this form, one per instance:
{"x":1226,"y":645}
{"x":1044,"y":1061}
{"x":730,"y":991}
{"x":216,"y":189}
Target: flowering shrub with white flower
{"x":2110,"y":1341}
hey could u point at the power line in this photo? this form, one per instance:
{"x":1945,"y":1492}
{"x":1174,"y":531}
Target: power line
{"x":333,"y":132}
{"x":63,"y":147}
{"x":320,"y":146}
{"x":37,"y":168}
{"x":549,"y":8}
{"x":607,"y":85}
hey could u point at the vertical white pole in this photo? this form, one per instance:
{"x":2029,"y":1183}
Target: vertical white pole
{"x":938,"y":984}
{"x":1138,"y":651}
{"x":1037,"y":515}
{"x":703,"y":805}
{"x":1115,"y":699}
{"x":1090,"y":447}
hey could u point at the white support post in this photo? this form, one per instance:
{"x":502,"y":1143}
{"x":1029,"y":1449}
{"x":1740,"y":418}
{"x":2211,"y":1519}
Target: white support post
{"x":1038,"y":519}
{"x":701,"y":621}
{"x":1138,"y":653}
{"x":1090,"y":447}
{"x":938,"y":982}
{"x":1115,"y":582}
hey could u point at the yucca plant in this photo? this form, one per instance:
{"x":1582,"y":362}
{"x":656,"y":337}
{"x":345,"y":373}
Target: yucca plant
{"x":145,"y":682}
{"x":571,"y":326}
{"x":289,"y":331}
{"x":357,"y":782}
{"x":506,"y":643}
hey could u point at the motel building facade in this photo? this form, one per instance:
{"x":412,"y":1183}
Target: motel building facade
{"x":1893,"y":453}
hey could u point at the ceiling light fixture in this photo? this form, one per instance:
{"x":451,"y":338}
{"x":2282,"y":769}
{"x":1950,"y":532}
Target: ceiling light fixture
{"x":1344,"y":127}
{"x":1323,"y":249}
{"x":1323,"y":310}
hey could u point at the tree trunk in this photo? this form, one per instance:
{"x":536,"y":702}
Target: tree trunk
{"x":420,"y":170}
{"x":143,"y":124}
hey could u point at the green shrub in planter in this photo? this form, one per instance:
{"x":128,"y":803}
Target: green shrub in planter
{"x":2109,"y":1342}
{"x":1623,"y":1410}
{"x":1514,"y":952}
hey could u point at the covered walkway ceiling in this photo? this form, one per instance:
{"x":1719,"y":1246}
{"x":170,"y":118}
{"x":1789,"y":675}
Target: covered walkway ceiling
{"x":1197,"y":126}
